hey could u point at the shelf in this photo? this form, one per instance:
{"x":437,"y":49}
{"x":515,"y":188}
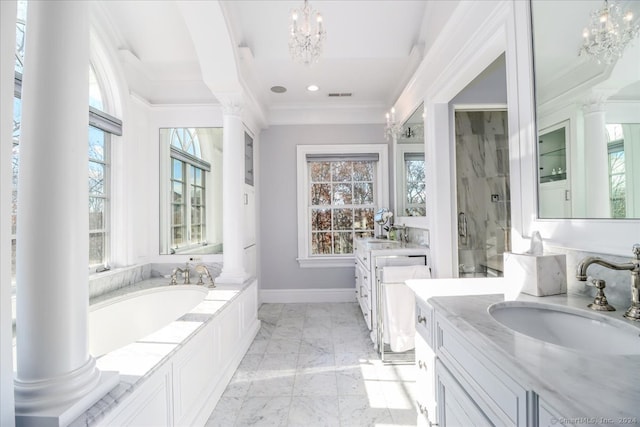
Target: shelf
{"x":553,"y":178}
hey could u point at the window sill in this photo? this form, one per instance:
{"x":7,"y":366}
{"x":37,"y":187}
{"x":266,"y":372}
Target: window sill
{"x":326,"y":262}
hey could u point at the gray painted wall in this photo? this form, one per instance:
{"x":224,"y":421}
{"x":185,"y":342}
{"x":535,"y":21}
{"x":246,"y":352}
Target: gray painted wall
{"x":489,"y":87}
{"x":278,"y":211}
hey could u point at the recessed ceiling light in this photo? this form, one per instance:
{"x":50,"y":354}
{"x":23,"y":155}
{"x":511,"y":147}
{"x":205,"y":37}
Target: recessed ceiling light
{"x":278,"y":89}
{"x":312,"y":88}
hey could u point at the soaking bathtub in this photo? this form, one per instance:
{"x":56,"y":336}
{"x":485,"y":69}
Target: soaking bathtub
{"x":121,"y":320}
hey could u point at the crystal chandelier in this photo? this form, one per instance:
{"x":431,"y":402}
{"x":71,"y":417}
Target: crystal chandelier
{"x":307,"y":35}
{"x":609,"y":32}
{"x":392,"y":130}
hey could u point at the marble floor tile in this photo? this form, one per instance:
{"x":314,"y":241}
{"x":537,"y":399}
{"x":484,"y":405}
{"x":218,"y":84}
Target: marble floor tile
{"x":225,"y":413}
{"x":320,"y":411}
{"x":272,"y":386}
{"x":283,"y":346}
{"x":264,"y":411}
{"x":315,"y":365}
{"x":358,"y":411}
{"x":258,"y":346}
{"x":287,"y":332}
{"x":316,"y":346}
{"x":321,"y":383}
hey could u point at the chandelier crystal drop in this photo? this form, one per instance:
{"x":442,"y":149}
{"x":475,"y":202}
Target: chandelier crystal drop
{"x":392,"y":130}
{"x":307,"y":35}
{"x":609,"y":33}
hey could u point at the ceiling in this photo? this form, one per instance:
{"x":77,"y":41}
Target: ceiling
{"x":372,"y":49}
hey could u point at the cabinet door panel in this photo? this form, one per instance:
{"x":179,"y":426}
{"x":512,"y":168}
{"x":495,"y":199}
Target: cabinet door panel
{"x":455,"y":406}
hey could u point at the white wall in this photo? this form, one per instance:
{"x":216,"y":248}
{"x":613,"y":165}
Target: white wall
{"x":278,"y":209}
{"x":7,"y":51}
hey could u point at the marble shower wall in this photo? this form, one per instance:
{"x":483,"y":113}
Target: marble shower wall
{"x":482,"y":170}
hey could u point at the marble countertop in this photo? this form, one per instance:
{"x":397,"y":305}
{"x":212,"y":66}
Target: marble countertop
{"x":391,"y":247}
{"x":574,"y":383}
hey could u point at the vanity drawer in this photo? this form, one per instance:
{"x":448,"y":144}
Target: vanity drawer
{"x":424,"y":321}
{"x":498,"y":395}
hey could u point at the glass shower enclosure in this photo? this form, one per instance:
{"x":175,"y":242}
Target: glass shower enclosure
{"x":482,"y":191}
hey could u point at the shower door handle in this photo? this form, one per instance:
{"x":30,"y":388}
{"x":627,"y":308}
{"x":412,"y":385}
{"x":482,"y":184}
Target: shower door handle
{"x":462,"y":225}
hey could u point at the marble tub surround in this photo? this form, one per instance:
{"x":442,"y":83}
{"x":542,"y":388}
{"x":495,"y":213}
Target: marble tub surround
{"x":537,"y":274}
{"x":111,"y":280}
{"x":154,"y":355}
{"x":563,"y":378}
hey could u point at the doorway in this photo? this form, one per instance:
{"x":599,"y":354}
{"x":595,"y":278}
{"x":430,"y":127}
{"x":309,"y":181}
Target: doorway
{"x":482,"y":191}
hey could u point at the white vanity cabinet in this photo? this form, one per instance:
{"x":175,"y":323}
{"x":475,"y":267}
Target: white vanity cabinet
{"x":363,"y":285}
{"x":475,"y":385}
{"x":371,"y":255}
{"x":425,"y":366}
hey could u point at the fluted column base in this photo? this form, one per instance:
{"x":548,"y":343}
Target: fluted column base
{"x":58,"y":401}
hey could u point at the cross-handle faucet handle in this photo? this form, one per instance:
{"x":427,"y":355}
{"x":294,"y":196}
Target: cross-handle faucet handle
{"x":636,"y":250}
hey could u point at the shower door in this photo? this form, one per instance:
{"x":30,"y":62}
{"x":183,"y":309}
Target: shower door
{"x":482,"y":191}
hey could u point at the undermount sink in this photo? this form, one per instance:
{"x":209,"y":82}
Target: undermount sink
{"x":568,"y":327}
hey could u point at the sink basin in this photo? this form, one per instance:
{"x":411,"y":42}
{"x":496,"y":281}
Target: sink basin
{"x":568,"y":327}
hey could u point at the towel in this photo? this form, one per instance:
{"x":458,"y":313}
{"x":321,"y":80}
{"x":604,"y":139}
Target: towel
{"x":398,"y":274}
{"x":399,"y":316}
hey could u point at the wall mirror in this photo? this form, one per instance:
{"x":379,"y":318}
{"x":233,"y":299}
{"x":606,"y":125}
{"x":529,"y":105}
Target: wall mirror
{"x":587,"y":113}
{"x":409,"y":168}
{"x":190,"y":191}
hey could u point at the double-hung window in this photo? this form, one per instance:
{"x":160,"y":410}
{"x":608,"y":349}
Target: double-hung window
{"x":339,"y":189}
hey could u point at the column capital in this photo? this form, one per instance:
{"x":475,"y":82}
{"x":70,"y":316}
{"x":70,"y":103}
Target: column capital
{"x":595,"y":100}
{"x":232,"y":102}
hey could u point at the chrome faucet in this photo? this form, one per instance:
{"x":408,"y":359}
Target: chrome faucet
{"x":203,"y":271}
{"x":185,"y":274}
{"x":633,"y":312}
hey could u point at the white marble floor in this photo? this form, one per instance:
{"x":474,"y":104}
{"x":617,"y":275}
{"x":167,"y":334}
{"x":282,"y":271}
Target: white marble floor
{"x":314,"y":365}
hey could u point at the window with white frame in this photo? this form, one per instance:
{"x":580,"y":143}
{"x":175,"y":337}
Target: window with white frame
{"x":188,"y":189}
{"x":339,"y":189}
{"x":617,"y":190}
{"x":102,"y":126}
{"x":415,"y":190}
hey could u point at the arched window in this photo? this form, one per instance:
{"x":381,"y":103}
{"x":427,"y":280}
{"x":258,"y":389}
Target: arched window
{"x":101,"y":127}
{"x":188,"y":189}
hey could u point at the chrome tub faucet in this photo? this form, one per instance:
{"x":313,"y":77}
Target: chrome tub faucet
{"x":203,"y":271}
{"x":633,"y":312}
{"x":185,"y":274}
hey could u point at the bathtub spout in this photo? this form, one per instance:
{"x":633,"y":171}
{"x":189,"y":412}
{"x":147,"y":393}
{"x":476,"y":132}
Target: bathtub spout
{"x":185,"y":274}
{"x":203,"y":271}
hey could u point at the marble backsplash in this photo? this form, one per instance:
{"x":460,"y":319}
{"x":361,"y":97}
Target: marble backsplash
{"x":109,"y":281}
{"x":618,"y":289}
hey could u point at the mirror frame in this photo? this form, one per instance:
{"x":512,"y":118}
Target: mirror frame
{"x":615,"y":237}
{"x":409,"y":221}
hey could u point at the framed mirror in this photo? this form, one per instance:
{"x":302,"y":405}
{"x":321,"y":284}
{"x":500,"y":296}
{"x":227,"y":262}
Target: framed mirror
{"x":190,"y":191}
{"x":409,"y":168}
{"x":587,"y":110}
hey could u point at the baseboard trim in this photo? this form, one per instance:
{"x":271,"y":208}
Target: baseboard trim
{"x":307,"y":295}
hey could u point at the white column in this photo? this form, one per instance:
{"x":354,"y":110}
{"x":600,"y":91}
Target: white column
{"x":596,"y":162}
{"x":8,"y":11}
{"x":56,"y":377}
{"x":232,"y":190}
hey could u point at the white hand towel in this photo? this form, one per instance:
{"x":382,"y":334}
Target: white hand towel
{"x":399,"y":313}
{"x":398,"y":274}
